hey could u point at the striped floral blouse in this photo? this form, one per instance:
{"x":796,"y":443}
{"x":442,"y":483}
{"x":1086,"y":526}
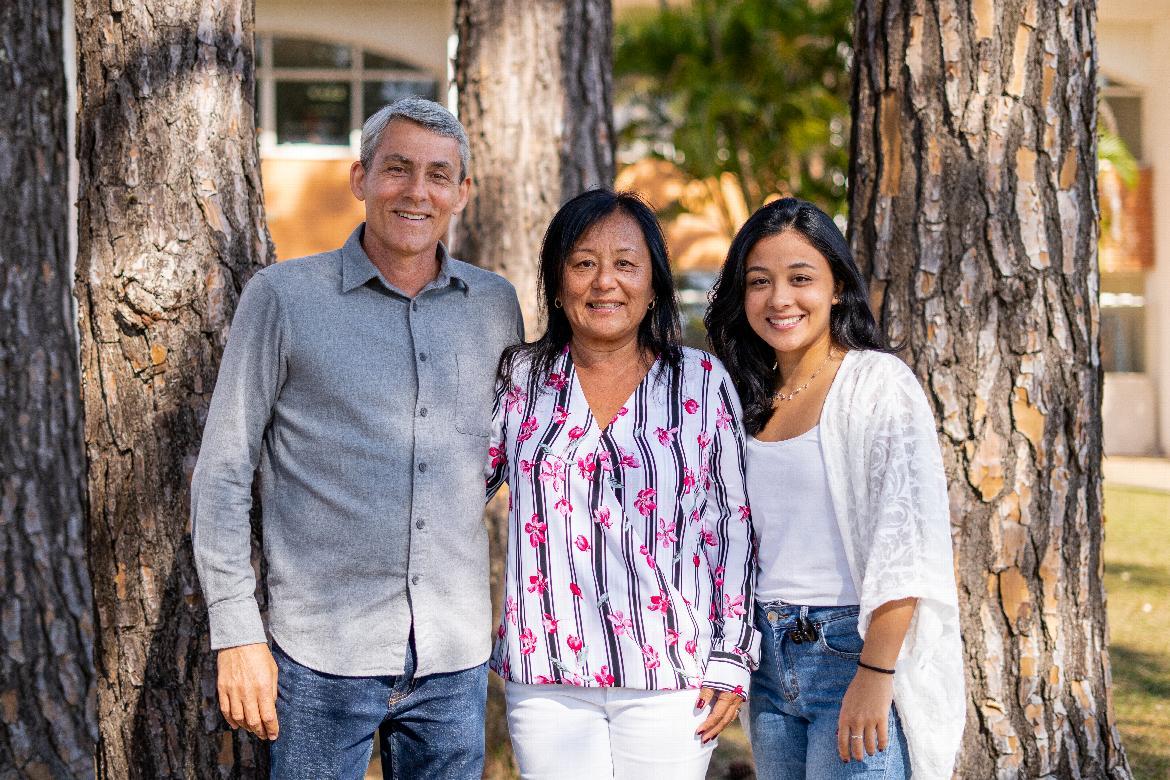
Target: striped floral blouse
{"x":630,"y":549}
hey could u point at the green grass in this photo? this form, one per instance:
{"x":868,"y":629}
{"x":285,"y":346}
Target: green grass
{"x":1137,"y":580}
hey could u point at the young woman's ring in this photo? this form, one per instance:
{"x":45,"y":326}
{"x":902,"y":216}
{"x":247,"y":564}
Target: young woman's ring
{"x":854,"y":736}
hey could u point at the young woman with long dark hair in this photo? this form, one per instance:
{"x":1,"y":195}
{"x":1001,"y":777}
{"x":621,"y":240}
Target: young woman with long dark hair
{"x":861,"y":667}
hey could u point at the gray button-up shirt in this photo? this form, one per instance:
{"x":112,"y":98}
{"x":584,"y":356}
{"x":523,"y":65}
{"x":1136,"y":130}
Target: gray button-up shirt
{"x":366,"y":415}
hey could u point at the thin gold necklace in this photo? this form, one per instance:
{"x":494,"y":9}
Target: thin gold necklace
{"x":779,"y":396}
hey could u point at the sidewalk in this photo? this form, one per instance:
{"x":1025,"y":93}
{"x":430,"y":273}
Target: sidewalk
{"x":1144,"y":473}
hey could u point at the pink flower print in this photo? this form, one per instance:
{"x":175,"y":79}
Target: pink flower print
{"x":601,"y":517}
{"x":574,"y":642}
{"x":621,"y":623}
{"x":696,"y":560}
{"x":645,"y":501}
{"x":571,"y":678}
{"x":627,"y":459}
{"x":526,"y":467}
{"x":557,"y":382}
{"x":708,"y":536}
{"x":704,"y":439}
{"x":620,"y":413}
{"x":671,"y":637}
{"x":692,"y":647}
{"x":576,"y":433}
{"x":706,"y":364}
{"x":649,"y":558}
{"x":527,"y":642}
{"x":527,"y":428}
{"x":719,"y":572}
{"x":666,"y":535}
{"x":563,"y":506}
{"x":500,"y":631}
{"x":550,"y":623}
{"x":722,"y":418}
{"x":575,"y":589}
{"x":732,"y":607}
{"x":659,"y":603}
{"x":511,"y":609}
{"x":586,"y":466}
{"x":497,"y":453}
{"x":552,"y":471}
{"x":544,"y":680}
{"x":560,"y":414}
{"x":665,"y":435}
{"x":535,"y":529}
{"x":651,"y":656}
{"x":515,"y":398}
{"x":604,"y":678}
{"x":603,"y":460}
{"x":505,"y":668}
{"x":537,"y":583}
{"x":745,"y":512}
{"x":691,"y":406}
{"x":712,"y":613}
{"x":581,"y":543}
{"x":688,"y":481}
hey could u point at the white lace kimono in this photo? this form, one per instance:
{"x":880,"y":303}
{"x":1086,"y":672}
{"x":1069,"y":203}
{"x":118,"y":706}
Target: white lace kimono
{"x":889,"y":493}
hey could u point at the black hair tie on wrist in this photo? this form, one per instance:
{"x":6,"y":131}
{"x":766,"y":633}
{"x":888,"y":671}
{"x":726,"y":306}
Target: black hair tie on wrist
{"x":874,"y":668}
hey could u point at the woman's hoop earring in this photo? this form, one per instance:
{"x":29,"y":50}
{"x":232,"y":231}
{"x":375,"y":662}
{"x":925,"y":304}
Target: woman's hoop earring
{"x":557,"y":302}
{"x":651,"y":306}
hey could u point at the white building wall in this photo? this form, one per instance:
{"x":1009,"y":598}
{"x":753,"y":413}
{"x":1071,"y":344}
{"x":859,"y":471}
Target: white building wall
{"x":1134,"y":47}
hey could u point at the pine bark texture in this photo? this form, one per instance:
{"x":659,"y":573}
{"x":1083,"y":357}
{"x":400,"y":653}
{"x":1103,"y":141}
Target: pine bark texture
{"x":171,"y":226}
{"x":974,"y":213}
{"x":535,"y":93}
{"x":46,"y":624}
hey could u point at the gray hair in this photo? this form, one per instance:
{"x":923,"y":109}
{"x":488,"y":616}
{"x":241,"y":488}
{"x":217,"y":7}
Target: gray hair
{"x":431,"y":115}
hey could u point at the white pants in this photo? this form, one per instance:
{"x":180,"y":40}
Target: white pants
{"x":560,"y":732}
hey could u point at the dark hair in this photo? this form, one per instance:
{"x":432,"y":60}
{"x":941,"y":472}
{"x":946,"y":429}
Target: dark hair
{"x":659,"y":331}
{"x":748,"y":358}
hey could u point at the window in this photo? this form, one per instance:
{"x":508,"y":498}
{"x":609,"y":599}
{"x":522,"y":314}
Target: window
{"x":315,"y":95}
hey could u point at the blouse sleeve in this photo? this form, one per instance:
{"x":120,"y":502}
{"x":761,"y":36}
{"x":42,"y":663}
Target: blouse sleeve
{"x":496,"y":468}
{"x":910,"y":552}
{"x":735,"y":643}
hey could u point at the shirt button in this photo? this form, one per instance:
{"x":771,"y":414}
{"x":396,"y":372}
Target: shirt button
{"x":422,"y":356}
{"x":422,"y":467}
{"x":420,"y":524}
{"x":422,"y":412}
{"x":414,"y":305}
{"x":415,"y":579}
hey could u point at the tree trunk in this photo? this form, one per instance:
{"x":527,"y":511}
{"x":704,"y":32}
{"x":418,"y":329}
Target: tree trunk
{"x":535,"y":93}
{"x":974,"y":212}
{"x":171,"y":226}
{"x":46,"y":675}
{"x":535,"y":83}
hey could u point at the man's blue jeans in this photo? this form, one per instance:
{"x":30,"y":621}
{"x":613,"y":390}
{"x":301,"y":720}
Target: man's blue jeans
{"x":795,"y":699}
{"x":431,"y":727}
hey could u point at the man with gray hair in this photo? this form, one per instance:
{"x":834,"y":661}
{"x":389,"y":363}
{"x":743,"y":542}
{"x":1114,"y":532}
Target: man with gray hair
{"x":357,"y":384}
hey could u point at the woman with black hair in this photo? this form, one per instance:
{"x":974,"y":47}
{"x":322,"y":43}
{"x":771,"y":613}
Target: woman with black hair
{"x":861,"y":669}
{"x":627,"y":593}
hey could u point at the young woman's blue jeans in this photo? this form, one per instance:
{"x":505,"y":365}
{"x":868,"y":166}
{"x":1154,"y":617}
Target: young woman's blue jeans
{"x":795,"y":698}
{"x":431,"y":726}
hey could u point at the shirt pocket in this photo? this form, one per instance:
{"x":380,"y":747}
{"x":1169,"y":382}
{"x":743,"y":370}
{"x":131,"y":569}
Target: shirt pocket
{"x":476,"y":388}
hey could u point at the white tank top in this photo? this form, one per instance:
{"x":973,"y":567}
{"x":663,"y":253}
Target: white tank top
{"x":802,"y":556}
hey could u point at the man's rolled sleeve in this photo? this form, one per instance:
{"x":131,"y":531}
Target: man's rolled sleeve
{"x":250,"y":376}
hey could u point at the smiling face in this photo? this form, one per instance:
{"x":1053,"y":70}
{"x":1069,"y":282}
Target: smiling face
{"x":608,"y":281}
{"x":790,"y":290}
{"x":410,"y":190}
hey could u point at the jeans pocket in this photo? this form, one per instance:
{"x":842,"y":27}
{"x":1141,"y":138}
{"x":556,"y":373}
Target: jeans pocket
{"x":839,"y":637}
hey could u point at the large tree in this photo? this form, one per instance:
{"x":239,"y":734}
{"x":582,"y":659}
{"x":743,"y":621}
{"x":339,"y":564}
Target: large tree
{"x":534,"y":81}
{"x":974,"y":210}
{"x":46,"y":706}
{"x":171,"y":227}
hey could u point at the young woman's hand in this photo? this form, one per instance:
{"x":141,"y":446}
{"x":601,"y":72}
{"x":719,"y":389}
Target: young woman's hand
{"x":863,"y":727}
{"x":724,"y":709}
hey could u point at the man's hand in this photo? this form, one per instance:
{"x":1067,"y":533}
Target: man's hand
{"x":247,"y":689}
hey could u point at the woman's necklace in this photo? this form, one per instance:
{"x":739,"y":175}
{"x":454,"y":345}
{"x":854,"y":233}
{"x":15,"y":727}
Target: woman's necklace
{"x":779,"y":396}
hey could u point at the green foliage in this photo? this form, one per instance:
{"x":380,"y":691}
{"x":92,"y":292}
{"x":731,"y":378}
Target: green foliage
{"x":1112,"y":153}
{"x":758,"y":88}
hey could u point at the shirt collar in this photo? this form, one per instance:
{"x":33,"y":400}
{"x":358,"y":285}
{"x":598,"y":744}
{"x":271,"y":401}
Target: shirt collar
{"x":357,"y":269}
